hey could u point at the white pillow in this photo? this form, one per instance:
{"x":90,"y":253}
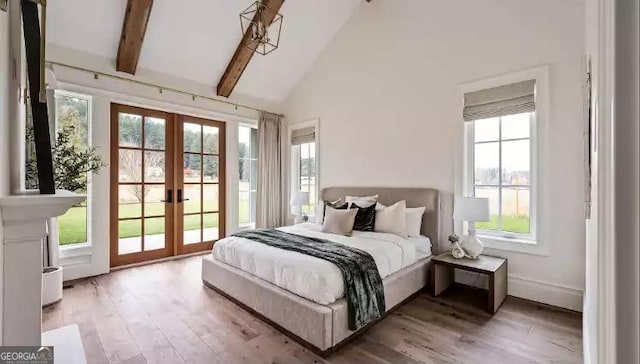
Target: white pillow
{"x":392,"y":219}
{"x":365,"y":201}
{"x":414,"y":221}
{"x":413,"y":216}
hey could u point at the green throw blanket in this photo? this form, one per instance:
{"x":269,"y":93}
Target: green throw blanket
{"x":363,"y":286}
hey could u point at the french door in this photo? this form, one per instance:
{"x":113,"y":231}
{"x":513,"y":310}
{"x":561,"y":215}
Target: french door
{"x":200,"y":196}
{"x":167,"y":184}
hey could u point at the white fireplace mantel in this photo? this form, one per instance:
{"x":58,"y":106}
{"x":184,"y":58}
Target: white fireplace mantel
{"x":24,"y":223}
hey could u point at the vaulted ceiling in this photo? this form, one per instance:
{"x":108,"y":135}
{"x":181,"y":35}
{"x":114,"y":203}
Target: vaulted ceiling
{"x":195,"y":39}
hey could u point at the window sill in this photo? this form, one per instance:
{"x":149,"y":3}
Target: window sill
{"x":75,"y":250}
{"x":249,"y":226}
{"x":310,"y":218}
{"x":513,"y":245}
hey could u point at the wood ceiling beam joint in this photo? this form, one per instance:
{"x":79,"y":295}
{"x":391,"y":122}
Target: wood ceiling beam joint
{"x":134,"y":27}
{"x":242,"y":56}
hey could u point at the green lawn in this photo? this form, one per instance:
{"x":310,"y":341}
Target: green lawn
{"x":243,"y":212}
{"x":72,"y":226}
{"x":512,"y":224}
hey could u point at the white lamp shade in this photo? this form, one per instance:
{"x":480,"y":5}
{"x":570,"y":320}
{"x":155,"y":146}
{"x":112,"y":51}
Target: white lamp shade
{"x":471,"y":209}
{"x":299,"y":198}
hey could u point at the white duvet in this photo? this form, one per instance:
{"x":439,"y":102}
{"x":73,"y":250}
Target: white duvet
{"x":313,"y":278}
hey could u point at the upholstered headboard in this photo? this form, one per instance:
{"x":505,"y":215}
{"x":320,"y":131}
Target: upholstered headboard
{"x":415,"y":197}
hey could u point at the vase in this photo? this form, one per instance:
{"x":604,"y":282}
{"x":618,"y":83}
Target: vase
{"x":51,"y":285}
{"x":472,"y":246}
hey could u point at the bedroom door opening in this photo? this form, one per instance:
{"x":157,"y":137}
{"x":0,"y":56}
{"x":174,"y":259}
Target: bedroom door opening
{"x":167,"y":184}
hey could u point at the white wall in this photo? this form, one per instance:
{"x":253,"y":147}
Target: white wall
{"x":386,"y":93}
{"x":590,"y":325}
{"x":5,"y":89}
{"x":11,"y":105}
{"x":5,"y":110}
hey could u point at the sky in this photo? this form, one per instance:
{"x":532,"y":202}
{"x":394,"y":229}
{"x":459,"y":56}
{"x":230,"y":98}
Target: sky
{"x":515,"y":153}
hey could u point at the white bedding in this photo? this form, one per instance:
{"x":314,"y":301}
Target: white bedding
{"x":313,"y":278}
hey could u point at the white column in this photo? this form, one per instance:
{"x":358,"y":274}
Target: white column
{"x":24,"y":219}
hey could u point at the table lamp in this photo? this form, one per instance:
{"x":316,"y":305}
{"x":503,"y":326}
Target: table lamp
{"x":471,"y":209}
{"x":299,"y":199}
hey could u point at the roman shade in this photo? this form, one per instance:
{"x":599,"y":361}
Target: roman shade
{"x":498,"y":101}
{"x":303,"y":135}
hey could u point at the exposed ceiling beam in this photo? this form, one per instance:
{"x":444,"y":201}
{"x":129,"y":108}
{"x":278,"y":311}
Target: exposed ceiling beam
{"x":134,"y":27}
{"x":243,"y":54}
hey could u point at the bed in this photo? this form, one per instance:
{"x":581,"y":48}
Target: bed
{"x":285,"y":288}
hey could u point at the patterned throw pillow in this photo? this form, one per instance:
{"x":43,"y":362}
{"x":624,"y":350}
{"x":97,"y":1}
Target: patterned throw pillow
{"x":365,"y":218}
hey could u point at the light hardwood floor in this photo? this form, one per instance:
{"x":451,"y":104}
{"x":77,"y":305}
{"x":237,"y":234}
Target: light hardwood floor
{"x":161,"y":313}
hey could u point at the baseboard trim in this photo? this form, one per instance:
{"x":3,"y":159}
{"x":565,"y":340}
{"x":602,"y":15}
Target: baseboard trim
{"x":553,"y":294}
{"x":72,"y":272}
{"x":160,"y":260}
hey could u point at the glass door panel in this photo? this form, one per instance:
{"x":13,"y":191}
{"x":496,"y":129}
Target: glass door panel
{"x":192,"y":233}
{"x":210,"y":226}
{"x":129,"y":236}
{"x":141,"y":180}
{"x":211,"y":198}
{"x":154,"y":233}
{"x":201,"y":201}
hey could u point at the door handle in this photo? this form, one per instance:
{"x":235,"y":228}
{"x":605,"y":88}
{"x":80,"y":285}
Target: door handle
{"x":180,"y":198}
{"x":169,"y":197}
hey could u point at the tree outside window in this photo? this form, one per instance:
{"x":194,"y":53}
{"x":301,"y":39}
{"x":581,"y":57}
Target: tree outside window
{"x":248,"y":170}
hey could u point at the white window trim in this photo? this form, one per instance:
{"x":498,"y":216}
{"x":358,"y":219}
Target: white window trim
{"x":293,"y":175}
{"x":74,"y":250}
{"x":249,"y":225}
{"x":79,"y":249}
{"x":539,"y":144}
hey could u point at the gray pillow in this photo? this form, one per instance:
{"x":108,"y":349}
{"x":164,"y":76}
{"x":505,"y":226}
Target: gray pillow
{"x":338,"y":221}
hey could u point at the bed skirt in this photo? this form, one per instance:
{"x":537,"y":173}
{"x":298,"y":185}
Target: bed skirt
{"x":321,"y":328}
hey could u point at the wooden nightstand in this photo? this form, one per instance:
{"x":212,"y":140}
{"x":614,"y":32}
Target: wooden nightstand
{"x":494,"y":267}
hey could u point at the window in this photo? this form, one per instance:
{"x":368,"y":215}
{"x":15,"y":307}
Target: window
{"x":73,"y":111}
{"x":72,"y":116}
{"x":501,"y":171}
{"x":500,"y":139}
{"x":304,"y":174}
{"x":248,"y":171}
